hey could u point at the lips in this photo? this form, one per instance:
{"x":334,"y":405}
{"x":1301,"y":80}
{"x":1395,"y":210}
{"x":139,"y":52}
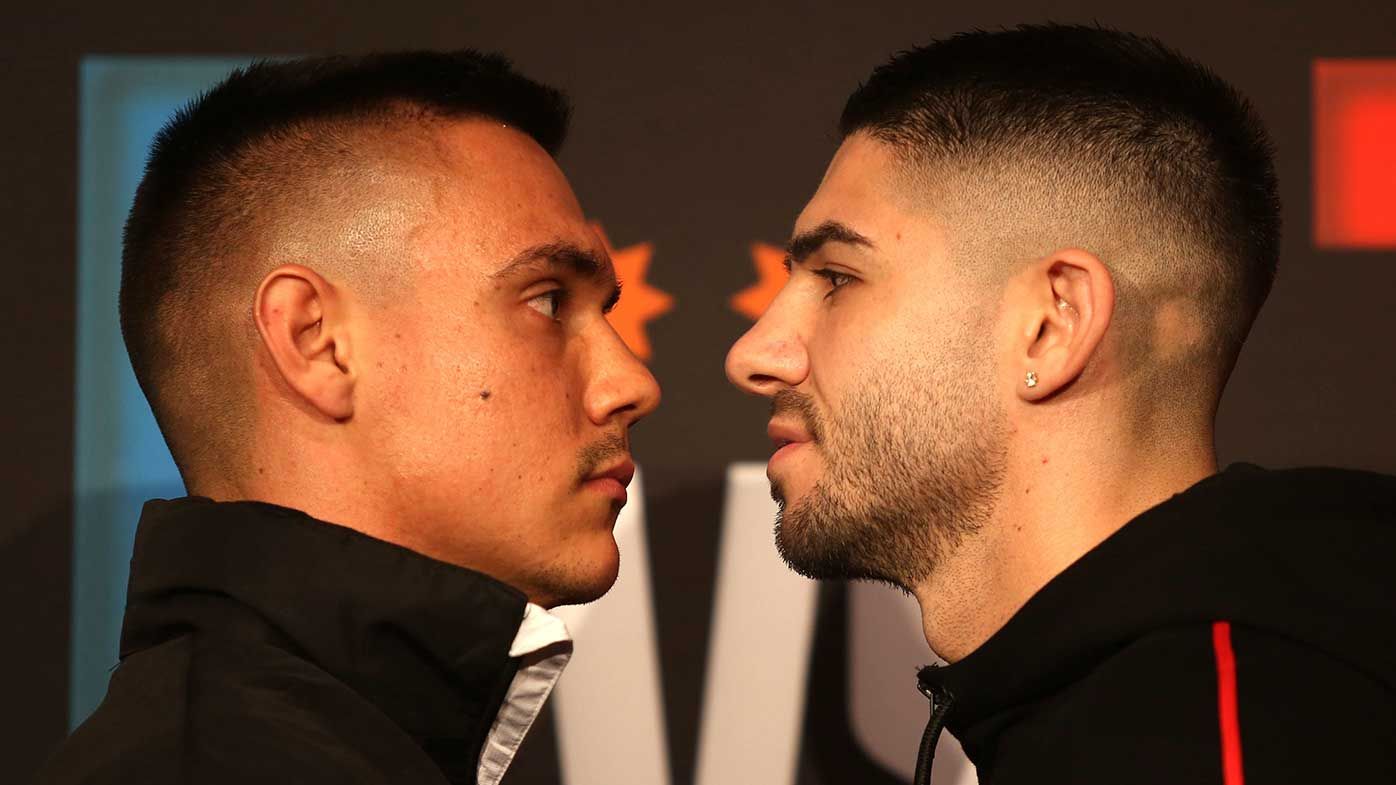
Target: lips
{"x":622,"y":472}
{"x":613,"y":480}
{"x":784,"y":432}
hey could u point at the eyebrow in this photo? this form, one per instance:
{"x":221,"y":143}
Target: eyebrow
{"x":566,"y":256}
{"x":805,"y":244}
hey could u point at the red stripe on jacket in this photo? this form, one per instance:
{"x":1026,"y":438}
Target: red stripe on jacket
{"x":1226,"y":704}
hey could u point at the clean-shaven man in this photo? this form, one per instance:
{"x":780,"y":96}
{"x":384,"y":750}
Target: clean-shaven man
{"x":370,"y":318}
{"x":1014,"y":302}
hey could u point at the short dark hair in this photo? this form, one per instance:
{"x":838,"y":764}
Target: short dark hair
{"x":209,"y":172}
{"x":1102,"y":106}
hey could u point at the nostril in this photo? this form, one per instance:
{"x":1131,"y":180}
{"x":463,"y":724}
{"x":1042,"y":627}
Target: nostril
{"x":763,"y":384}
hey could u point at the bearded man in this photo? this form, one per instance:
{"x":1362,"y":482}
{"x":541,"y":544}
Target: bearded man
{"x":370,"y":318}
{"x":1014,"y":303}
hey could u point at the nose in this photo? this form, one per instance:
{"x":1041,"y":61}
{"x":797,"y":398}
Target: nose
{"x":771,"y":355}
{"x":621,"y":390}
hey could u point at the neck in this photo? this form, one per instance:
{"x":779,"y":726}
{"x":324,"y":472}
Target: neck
{"x":308,"y":471}
{"x":1056,"y":504}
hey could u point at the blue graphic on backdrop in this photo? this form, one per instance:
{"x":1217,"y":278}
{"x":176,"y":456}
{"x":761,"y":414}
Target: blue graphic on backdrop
{"x":120,"y":459}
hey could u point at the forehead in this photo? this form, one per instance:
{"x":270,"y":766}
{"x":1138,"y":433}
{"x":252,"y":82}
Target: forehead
{"x":873,"y":192}
{"x":496,"y":192}
{"x":865,"y":187}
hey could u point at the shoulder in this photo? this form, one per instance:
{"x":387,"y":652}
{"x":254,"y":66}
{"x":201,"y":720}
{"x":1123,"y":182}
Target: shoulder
{"x":1305,"y":716}
{"x":1314,"y":492}
{"x":1192,"y":702}
{"x":199,"y":712}
{"x":137,"y":731}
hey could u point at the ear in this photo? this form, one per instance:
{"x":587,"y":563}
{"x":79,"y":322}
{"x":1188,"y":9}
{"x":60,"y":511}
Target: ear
{"x":1065,"y":302}
{"x":303,"y":327}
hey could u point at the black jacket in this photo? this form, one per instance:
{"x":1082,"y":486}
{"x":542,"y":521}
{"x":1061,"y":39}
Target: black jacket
{"x":261,"y":645}
{"x":1244,"y":630}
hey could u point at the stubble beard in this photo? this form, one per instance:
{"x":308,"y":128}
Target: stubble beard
{"x":908,"y":475}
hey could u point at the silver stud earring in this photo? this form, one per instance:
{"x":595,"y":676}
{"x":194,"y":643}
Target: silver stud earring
{"x":1032,"y":379}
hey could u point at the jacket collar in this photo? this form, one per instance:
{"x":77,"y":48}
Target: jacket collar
{"x":424,"y":641}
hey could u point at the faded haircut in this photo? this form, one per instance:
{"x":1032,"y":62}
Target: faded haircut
{"x":258,"y":150}
{"x":1046,"y":136}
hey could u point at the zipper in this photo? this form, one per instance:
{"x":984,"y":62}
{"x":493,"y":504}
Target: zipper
{"x":941,"y":700}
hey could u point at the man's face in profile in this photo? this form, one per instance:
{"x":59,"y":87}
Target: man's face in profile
{"x":878,"y":358}
{"x":495,"y":394}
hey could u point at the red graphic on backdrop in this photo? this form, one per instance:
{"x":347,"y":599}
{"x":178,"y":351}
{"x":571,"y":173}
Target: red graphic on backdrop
{"x":1355,"y":153}
{"x":753,"y":301}
{"x":640,"y":302}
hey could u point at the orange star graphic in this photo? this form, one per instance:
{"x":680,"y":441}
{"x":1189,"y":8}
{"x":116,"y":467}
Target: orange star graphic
{"x":641,"y":302}
{"x":770,"y":266}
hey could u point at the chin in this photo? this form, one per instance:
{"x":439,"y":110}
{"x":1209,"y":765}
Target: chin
{"x":793,"y":479}
{"x":586,"y":578}
{"x":789,"y":491}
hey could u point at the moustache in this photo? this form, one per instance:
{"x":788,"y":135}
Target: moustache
{"x":791,"y":403}
{"x":601,"y":452}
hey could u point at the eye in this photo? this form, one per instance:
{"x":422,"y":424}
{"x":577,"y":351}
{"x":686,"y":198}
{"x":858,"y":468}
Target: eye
{"x":549,"y":303}
{"x":836,"y":279}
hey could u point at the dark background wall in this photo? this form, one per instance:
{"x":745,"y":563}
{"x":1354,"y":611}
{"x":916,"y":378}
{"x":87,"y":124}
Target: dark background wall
{"x":700,"y":129}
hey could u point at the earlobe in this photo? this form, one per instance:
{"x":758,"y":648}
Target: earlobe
{"x":300,"y":320}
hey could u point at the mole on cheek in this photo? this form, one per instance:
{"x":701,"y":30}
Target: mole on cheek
{"x":484,"y":395}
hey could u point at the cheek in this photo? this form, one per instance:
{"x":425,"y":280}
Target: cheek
{"x":530,"y":387}
{"x":434,"y":375}
{"x":475,"y":402}
{"x":514,"y":408}
{"x":859,"y":340}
